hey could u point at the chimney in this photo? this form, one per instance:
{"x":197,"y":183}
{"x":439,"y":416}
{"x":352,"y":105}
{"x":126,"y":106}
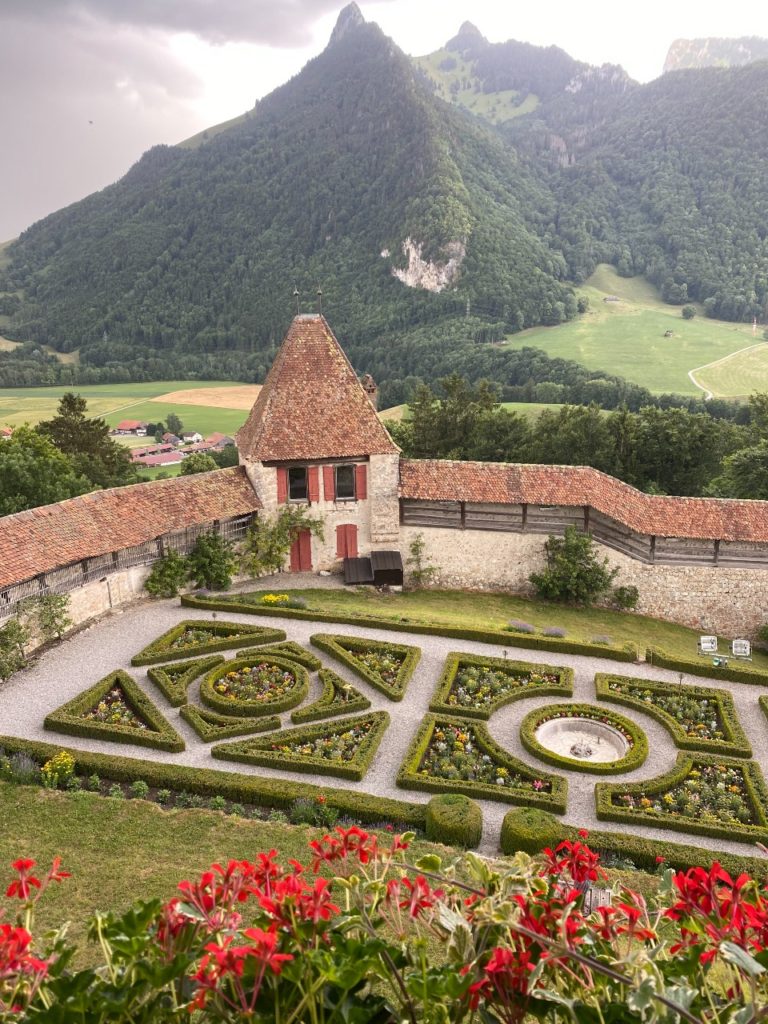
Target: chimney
{"x":371,"y":389}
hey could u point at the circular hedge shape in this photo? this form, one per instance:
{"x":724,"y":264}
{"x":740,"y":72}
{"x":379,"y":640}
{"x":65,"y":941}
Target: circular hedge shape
{"x":455,"y":820}
{"x":634,"y":757}
{"x":289,"y":695}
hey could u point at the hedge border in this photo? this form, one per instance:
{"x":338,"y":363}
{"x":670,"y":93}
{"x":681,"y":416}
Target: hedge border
{"x":234,"y":634}
{"x":211,"y":726}
{"x":289,"y":649}
{"x":175,"y":689}
{"x":634,"y":758}
{"x":332,"y":644}
{"x":455,"y":820}
{"x":327,"y":706}
{"x":730,"y":674}
{"x":532,"y":830}
{"x":236,"y":787}
{"x":455,"y":660}
{"x":161,"y":735}
{"x":409,"y":776}
{"x":249,"y":709}
{"x":265,"y":758}
{"x":499,"y":637}
{"x":755,"y":785}
{"x":737,"y":744}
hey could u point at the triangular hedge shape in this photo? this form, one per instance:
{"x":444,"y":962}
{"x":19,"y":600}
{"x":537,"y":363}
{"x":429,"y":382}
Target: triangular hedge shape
{"x":338,"y":698}
{"x":291,"y":650}
{"x":174,"y":680}
{"x":156,"y":731}
{"x":221,"y":635}
{"x":210,"y":726}
{"x":386,"y":666}
{"x":343,"y":749}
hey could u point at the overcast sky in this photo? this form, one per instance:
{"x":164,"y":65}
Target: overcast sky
{"x":86,"y":86}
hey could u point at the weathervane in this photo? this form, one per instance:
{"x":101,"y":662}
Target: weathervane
{"x":296,"y":295}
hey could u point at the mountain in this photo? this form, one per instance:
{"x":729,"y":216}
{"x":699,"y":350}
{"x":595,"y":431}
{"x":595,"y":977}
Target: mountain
{"x":714,"y":52}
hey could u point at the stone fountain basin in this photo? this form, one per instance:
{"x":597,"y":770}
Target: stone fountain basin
{"x":560,"y":735}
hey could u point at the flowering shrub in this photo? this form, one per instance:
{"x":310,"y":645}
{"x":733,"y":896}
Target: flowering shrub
{"x":710,"y":792}
{"x":351,"y":935}
{"x":454,"y":753}
{"x":475,"y":687}
{"x":259,"y":683}
{"x":698,"y":717}
{"x":58,"y":770}
{"x":282,"y":601}
{"x":255,"y":686}
{"x":518,"y":626}
{"x":114,"y":710}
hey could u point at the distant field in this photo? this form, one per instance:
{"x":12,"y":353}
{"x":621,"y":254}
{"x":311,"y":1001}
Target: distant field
{"x":399,"y":412}
{"x":737,"y":375}
{"x":627,"y":338}
{"x":457,"y":84}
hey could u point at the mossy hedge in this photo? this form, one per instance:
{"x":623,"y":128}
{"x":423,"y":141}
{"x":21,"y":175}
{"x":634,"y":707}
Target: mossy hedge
{"x":158,"y":734}
{"x":456,"y":661}
{"x":532,"y":830}
{"x":234,"y":786}
{"x":211,"y":726}
{"x":252,"y":709}
{"x":338,"y":698}
{"x":755,"y":786}
{"x":173,"y":681}
{"x":344,"y":649}
{"x":410,"y":775}
{"x":455,"y":820}
{"x":260,"y":752}
{"x":289,"y":649}
{"x":735,"y":744}
{"x":704,"y":667}
{"x":231,"y":634}
{"x":500,"y":637}
{"x":634,"y":757}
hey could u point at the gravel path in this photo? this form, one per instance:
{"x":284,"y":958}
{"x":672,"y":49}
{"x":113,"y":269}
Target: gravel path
{"x":63,"y":672}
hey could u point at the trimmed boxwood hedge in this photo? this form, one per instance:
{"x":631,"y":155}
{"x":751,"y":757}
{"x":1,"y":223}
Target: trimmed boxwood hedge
{"x":159,"y":734}
{"x":344,"y":647}
{"x":455,"y":820}
{"x":532,"y":830}
{"x":290,"y":649}
{"x":755,"y":785}
{"x":704,"y":667}
{"x":410,"y":777}
{"x":500,"y":637}
{"x":338,"y":698}
{"x":174,"y":680}
{"x":251,"y":709}
{"x":211,"y":726}
{"x":736,"y":744}
{"x":259,"y":751}
{"x":233,"y":634}
{"x":234,"y":786}
{"x":456,"y":661}
{"x":634,"y":757}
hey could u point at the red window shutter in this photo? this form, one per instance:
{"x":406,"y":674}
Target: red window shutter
{"x":282,"y":485}
{"x":328,"y":483}
{"x":341,"y":542}
{"x":352,"y":540}
{"x":361,"y":482}
{"x":313,"y":476}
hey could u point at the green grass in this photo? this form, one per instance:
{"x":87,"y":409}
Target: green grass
{"x":737,"y":375}
{"x":530,"y":409}
{"x":627,"y":338}
{"x":494,"y":611}
{"x":460,"y":86}
{"x":205,"y":419}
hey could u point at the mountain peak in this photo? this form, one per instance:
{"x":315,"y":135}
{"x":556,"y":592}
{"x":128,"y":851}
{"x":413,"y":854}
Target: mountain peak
{"x":349,"y":17}
{"x":468,"y":29}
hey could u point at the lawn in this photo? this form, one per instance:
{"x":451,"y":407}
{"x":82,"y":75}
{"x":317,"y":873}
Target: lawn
{"x":530,"y":409}
{"x":737,"y":375}
{"x":627,"y":338}
{"x":205,"y":419}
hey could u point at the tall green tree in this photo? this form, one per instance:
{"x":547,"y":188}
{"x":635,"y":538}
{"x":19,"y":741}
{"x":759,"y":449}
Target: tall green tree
{"x":34,"y":472}
{"x":198,"y":462}
{"x":97,"y":456}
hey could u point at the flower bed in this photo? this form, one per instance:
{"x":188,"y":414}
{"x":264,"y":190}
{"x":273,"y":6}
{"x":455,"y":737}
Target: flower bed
{"x":388,"y":667}
{"x":633,"y":734}
{"x":200,"y":636}
{"x":720,"y":797}
{"x":344,"y":749}
{"x":338,"y":698}
{"x":174,"y":680}
{"x":289,"y":649}
{"x":115,"y":708}
{"x":249,"y":688}
{"x":697,"y":717}
{"x":474,"y":687}
{"x":211,"y":726}
{"x":733,"y":673}
{"x":455,"y":755}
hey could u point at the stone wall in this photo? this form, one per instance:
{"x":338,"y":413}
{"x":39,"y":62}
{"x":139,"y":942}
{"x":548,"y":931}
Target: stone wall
{"x":733,"y":602}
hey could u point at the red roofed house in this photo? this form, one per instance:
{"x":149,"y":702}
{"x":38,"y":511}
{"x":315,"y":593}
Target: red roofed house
{"x":5,"y":433}
{"x":136,"y":427}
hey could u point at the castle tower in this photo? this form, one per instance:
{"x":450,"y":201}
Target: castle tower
{"x":313,"y":438}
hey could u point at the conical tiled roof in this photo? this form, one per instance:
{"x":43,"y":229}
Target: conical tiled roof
{"x":312,"y":405}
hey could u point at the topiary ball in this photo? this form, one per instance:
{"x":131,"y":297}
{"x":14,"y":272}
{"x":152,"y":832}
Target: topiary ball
{"x":455,"y":820}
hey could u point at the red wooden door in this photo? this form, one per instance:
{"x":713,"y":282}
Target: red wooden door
{"x":346,"y":541}
{"x":301,"y":552}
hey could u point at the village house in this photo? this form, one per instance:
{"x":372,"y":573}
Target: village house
{"x":136,"y":427}
{"x":191,"y":437}
{"x":5,"y":433}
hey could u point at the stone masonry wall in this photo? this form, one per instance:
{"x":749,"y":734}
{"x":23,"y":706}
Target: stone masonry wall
{"x":733,"y":602}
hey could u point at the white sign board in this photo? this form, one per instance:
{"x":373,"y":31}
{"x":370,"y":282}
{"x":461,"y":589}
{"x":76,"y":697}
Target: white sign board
{"x":708,"y":644}
{"x":741,"y":649}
